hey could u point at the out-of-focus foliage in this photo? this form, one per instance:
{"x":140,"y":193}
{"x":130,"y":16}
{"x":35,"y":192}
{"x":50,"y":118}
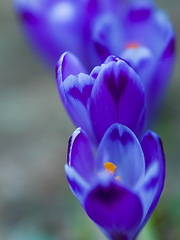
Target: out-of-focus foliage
{"x":35,"y":201}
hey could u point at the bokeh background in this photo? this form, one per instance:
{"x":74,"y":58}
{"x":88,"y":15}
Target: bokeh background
{"x":35,"y":200}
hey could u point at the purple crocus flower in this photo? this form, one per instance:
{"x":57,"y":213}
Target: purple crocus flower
{"x":111,"y":93}
{"x":120,"y":185}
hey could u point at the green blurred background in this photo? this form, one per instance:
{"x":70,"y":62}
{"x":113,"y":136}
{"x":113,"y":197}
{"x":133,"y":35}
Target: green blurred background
{"x":35,"y":200}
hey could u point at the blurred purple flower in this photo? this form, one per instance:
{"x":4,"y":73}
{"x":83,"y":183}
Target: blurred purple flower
{"x":120,"y":185}
{"x":135,"y":30}
{"x":111,"y":93}
{"x":143,"y":35}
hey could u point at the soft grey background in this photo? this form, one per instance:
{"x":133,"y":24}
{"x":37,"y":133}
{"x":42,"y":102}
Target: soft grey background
{"x":35,"y":201}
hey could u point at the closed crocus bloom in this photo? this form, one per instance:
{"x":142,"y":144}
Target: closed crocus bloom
{"x":142,"y":34}
{"x":120,"y":184}
{"x":111,"y":93}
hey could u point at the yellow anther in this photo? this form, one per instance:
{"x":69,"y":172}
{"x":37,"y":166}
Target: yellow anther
{"x":132,"y":45}
{"x":110,"y":167}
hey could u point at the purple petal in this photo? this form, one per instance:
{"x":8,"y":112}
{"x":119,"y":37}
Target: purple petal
{"x":96,"y":70}
{"x":101,"y":50}
{"x":121,"y":147}
{"x":67,"y":65}
{"x":94,"y":73}
{"x":153,"y":150}
{"x":142,"y":61}
{"x":161,"y":77}
{"x":106,"y":38}
{"x":169,"y":51}
{"x":140,"y":12}
{"x":152,"y":187}
{"x":75,"y":91}
{"x":151,"y":31}
{"x":79,"y":88}
{"x":80,"y":156}
{"x":77,"y":184}
{"x":154,"y":70}
{"x":114,"y":208}
{"x":117,"y":96}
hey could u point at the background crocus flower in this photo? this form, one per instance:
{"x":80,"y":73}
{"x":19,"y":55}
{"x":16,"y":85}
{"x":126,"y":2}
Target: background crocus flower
{"x":143,"y":35}
{"x":119,"y":185}
{"x":111,"y":93}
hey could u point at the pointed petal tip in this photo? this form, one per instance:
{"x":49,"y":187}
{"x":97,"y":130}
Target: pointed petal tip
{"x":68,"y":64}
{"x":153,"y":150}
{"x":80,"y":155}
{"x":151,"y":135}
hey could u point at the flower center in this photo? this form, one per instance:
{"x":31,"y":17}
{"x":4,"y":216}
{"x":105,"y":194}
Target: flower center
{"x":111,"y":168}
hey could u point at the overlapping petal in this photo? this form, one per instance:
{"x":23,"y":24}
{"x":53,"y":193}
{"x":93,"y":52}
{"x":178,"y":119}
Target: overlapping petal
{"x":80,"y":154}
{"x":75,"y":89}
{"x":114,"y":208}
{"x":155,"y":169}
{"x":117,"y":96}
{"x":77,"y":184}
{"x":121,"y":147}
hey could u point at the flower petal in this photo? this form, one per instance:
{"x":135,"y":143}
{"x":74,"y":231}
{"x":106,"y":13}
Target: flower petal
{"x":153,"y":150}
{"x":141,"y":15}
{"x":151,"y":188}
{"x":121,"y":147}
{"x":106,"y":37}
{"x":75,"y":91}
{"x":77,"y":184}
{"x":142,"y":61}
{"x":140,"y":11}
{"x":113,"y":208}
{"x":161,"y":76}
{"x":67,"y":65}
{"x":117,"y":96}
{"x":80,"y":156}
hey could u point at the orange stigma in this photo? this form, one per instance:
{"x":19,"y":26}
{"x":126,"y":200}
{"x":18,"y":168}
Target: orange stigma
{"x":132,"y":45}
